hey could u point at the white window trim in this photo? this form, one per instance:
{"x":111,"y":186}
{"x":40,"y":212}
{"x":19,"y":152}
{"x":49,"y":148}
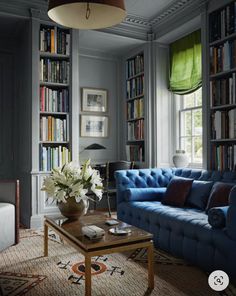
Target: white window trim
{"x":178,"y":108}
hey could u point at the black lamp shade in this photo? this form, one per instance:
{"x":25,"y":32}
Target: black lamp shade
{"x":72,"y":13}
{"x":95,"y":146}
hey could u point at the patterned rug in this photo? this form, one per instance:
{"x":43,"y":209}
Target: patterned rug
{"x":23,"y":269}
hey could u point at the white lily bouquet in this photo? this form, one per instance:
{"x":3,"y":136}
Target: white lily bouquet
{"x":73,"y":181}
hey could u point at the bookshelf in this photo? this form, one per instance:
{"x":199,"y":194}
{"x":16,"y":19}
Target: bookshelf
{"x":135,"y":119}
{"x":222,"y":85}
{"x":54,"y":96}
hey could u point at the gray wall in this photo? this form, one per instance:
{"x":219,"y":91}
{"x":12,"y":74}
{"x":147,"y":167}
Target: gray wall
{"x":97,"y":71}
{"x":23,"y":117}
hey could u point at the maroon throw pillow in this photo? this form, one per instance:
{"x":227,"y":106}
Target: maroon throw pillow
{"x":177,"y":192}
{"x":219,"y":196}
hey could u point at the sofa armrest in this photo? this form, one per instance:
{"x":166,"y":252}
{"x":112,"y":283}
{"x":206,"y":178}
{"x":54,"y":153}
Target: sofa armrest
{"x":231,"y":215}
{"x":10,"y":193}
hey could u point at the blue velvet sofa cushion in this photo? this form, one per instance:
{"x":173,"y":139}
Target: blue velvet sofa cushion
{"x":217,"y":217}
{"x":199,"y":194}
{"x":144,"y":194}
{"x":177,"y":192}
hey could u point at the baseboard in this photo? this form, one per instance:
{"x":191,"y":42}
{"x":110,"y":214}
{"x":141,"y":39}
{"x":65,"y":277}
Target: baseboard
{"x":36,"y":221}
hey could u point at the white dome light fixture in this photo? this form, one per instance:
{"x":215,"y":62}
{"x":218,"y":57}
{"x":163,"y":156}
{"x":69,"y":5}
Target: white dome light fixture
{"x":81,"y":14}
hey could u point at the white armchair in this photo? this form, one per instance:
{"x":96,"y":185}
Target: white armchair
{"x":9,"y":213}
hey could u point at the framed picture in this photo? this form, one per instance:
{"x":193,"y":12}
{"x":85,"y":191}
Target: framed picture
{"x":94,"y":126}
{"x":94,"y":100}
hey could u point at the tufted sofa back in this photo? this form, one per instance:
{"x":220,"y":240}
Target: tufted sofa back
{"x":154,"y":178}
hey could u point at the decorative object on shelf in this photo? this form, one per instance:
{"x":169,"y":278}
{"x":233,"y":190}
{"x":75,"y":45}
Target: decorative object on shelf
{"x":70,"y":185}
{"x":94,"y":126}
{"x":94,"y":100}
{"x":180,"y":159}
{"x":80,"y":14}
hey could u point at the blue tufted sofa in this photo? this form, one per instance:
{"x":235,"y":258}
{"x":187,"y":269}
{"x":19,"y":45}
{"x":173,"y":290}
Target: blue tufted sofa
{"x":183,"y":232}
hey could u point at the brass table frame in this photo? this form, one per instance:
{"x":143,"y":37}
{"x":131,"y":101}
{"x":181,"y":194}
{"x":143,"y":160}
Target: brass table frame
{"x":148,"y":244}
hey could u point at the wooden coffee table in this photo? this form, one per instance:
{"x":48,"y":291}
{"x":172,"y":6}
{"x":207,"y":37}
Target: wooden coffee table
{"x":71,"y":232}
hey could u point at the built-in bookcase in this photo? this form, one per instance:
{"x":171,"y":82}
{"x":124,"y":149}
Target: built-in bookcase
{"x":222,"y":51}
{"x":54,"y":97}
{"x":135,"y":145}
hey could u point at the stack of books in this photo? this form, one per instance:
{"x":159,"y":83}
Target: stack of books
{"x":53,"y":157}
{"x":135,"y":109}
{"x":134,"y":66}
{"x":136,"y":130}
{"x":52,"y":100}
{"x":56,"y":71}
{"x":53,"y":129}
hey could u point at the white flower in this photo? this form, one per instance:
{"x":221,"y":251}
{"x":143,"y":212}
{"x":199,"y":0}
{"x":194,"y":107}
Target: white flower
{"x":61,"y":196}
{"x":96,"y":191}
{"x":49,"y":186}
{"x":72,"y":180}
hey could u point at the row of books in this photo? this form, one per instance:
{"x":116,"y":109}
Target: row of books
{"x":52,"y":100}
{"x":224,"y":124}
{"x":223,"y":22}
{"x":135,"y":153}
{"x":224,"y":157}
{"x":57,"y":71}
{"x":223,"y":57}
{"x":53,"y":157}
{"x":135,"y":87}
{"x":54,"y":40}
{"x":53,"y":129}
{"x":134,"y":66}
{"x":223,"y":91}
{"x":136,"y":130}
{"x":135,"y":109}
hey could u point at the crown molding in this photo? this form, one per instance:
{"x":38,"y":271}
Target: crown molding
{"x":182,"y":8}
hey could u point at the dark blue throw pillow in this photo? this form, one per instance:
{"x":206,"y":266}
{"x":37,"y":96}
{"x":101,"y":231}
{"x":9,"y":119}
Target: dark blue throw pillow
{"x":199,"y":194}
{"x":217,"y":217}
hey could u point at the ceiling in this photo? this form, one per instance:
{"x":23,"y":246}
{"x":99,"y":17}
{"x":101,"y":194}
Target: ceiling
{"x":102,"y":42}
{"x":147,"y":9}
{"x":143,"y":16}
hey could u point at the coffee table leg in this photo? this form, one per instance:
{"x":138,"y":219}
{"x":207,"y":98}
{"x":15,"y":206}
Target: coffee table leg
{"x":45,"y":240}
{"x":88,"y":281}
{"x":150,"y":267}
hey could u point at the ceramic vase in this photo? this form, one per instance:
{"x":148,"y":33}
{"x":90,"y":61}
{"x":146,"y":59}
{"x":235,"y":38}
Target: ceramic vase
{"x":73,"y":210}
{"x":180,"y":159}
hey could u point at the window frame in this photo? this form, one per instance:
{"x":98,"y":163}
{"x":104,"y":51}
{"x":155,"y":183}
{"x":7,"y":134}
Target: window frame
{"x":180,"y":110}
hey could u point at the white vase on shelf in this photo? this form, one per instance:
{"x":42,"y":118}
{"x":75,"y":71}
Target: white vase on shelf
{"x":180,"y":159}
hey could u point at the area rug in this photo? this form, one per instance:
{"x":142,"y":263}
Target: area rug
{"x":16,"y":284}
{"x":62,"y":273}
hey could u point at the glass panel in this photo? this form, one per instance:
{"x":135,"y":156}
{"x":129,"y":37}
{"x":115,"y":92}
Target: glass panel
{"x":197,"y":153}
{"x":198,"y":95}
{"x":186,"y":145}
{"x":197,"y":122}
{"x":186,"y":125}
{"x":189,"y":101}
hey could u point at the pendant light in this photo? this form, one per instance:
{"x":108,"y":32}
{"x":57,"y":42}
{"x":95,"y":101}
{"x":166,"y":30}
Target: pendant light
{"x":81,"y":14}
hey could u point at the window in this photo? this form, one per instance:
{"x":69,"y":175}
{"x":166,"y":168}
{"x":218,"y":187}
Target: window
{"x":190,"y":126}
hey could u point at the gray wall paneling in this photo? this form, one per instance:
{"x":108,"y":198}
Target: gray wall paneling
{"x":163,"y":109}
{"x":98,"y":71}
{"x":23,"y":129}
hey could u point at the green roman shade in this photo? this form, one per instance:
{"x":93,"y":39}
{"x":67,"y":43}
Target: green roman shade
{"x":186,"y":64}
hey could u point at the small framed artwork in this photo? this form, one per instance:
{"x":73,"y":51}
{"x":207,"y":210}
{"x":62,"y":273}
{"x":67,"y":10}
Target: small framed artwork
{"x":94,"y":126}
{"x":94,"y":100}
